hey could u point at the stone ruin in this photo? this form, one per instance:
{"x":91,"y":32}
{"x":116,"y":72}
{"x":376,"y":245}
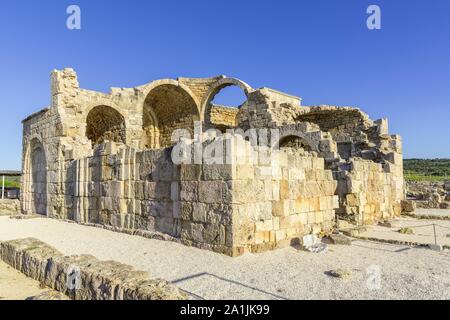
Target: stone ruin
{"x":107,"y":160}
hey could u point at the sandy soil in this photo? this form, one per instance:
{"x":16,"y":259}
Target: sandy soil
{"x":405,"y":272}
{"x":16,"y":286}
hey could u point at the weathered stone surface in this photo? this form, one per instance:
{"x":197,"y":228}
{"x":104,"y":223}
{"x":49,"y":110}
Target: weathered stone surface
{"x":340,"y":239}
{"x":406,"y":231}
{"x":9,"y":207}
{"x":340,"y":273}
{"x":49,"y":295}
{"x":444,"y":205}
{"x":408,"y":206}
{"x":447,"y":185}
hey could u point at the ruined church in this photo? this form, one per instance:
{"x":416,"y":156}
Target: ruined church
{"x":106,"y":160}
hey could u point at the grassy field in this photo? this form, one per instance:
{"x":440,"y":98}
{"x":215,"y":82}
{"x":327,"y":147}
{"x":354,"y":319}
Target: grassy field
{"x":426,"y":169}
{"x":11,"y":182}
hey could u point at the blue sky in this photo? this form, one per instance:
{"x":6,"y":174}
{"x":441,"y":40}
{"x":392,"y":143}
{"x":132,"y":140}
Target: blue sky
{"x":320,"y":50}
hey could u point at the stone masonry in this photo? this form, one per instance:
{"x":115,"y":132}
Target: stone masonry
{"x":108,"y":159}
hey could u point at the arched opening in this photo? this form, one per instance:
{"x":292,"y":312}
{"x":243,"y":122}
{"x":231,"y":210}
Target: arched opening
{"x":103,"y":124}
{"x":294,"y":142}
{"x":38,"y":177}
{"x":223,"y":105}
{"x":167,"y":107}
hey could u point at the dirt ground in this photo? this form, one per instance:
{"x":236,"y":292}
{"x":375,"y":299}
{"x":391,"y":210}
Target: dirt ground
{"x":377,"y":270}
{"x":16,"y":286}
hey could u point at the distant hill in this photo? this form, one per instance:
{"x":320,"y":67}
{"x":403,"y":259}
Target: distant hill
{"x":426,"y":169}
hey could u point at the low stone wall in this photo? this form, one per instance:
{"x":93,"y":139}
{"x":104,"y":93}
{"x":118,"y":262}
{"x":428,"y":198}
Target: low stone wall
{"x":92,"y":279}
{"x":9,"y":207}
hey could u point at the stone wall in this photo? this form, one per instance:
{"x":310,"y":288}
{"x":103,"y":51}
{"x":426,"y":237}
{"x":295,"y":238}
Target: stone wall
{"x":224,"y":117}
{"x":276,"y":203}
{"x":369,"y":192}
{"x":91,"y":279}
{"x":228,"y":208}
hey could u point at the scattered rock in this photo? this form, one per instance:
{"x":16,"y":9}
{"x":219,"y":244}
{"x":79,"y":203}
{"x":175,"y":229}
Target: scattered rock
{"x":436,"y":247}
{"x":447,"y":197}
{"x":447,"y":185}
{"x":339,"y":273}
{"x":444,"y":205}
{"x":26,"y":216}
{"x":435,"y":200}
{"x":408,"y":206}
{"x":9,"y":207}
{"x":406,"y":231}
{"x":386,"y":224}
{"x":340,"y":239}
{"x":354,"y":231}
{"x":342,"y":224}
{"x":49,"y":295}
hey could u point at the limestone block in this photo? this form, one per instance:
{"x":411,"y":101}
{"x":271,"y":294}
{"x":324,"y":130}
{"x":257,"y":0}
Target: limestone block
{"x":247,"y":191}
{"x":280,"y":235}
{"x":199,"y":212}
{"x":192,"y":172}
{"x":192,"y":231}
{"x":302,"y":204}
{"x":212,"y":172}
{"x":189,"y":190}
{"x":212,"y":234}
{"x":210,"y":191}
{"x":186,"y":211}
{"x":245,"y":172}
{"x":264,"y":225}
{"x":175,"y":191}
{"x":296,"y":174}
{"x":283,"y":208}
{"x":314,"y":204}
{"x":311,"y":217}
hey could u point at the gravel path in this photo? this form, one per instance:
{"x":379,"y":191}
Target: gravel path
{"x":406,"y":273}
{"x":423,"y":231}
{"x":433,"y":212}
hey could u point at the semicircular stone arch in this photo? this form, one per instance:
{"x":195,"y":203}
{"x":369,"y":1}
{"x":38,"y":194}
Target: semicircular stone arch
{"x":105,"y":123}
{"x":35,"y":178}
{"x":167,"y":107}
{"x":214,"y":90}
